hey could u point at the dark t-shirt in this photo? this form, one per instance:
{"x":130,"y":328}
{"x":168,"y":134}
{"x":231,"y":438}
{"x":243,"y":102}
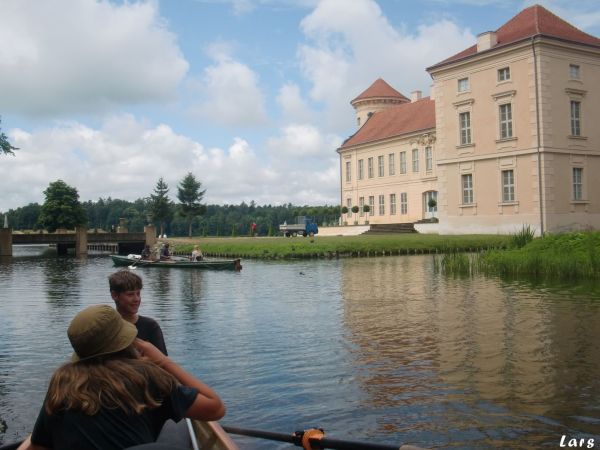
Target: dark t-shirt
{"x":110,"y":429}
{"x":149,"y":330}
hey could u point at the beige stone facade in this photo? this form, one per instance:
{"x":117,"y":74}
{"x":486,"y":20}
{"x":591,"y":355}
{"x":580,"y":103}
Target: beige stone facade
{"x":514,"y":139}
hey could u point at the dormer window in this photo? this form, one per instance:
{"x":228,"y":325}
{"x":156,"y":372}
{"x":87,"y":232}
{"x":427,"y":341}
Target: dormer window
{"x":504,"y":74}
{"x":463,"y":85}
{"x":574,"y":72}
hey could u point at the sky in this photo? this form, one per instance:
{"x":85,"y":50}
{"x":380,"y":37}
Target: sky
{"x":251,"y":96}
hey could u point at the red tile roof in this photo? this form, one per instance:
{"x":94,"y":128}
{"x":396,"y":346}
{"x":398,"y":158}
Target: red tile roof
{"x":533,"y":21}
{"x":395,"y":121}
{"x":380,"y":89}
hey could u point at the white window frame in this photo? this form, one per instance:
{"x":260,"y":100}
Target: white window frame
{"x":361,"y":203}
{"x":380,"y":166}
{"x":393,"y":204}
{"x":348,"y":171}
{"x":372,"y":205}
{"x":575,"y":115}
{"x":464,"y":128}
{"x":574,"y":71}
{"x":577,"y":183}
{"x":428,"y":159}
{"x":349,"y":206}
{"x":381,"y":204}
{"x":403,"y":203}
{"x":415,"y":160}
{"x":392,"y":164}
{"x":508,"y":186}
{"x":361,"y":169}
{"x":466,"y":183}
{"x":505,"y":125}
{"x":402,"y":162}
{"x":504,"y":74}
{"x":463,"y":85}
{"x":370,"y":167}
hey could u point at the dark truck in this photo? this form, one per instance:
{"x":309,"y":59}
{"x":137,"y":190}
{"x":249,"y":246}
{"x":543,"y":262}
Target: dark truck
{"x":304,"y":226}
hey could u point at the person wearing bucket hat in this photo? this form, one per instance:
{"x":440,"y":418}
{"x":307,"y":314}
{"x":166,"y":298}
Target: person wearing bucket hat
{"x":125,"y":290}
{"x":117,"y":391}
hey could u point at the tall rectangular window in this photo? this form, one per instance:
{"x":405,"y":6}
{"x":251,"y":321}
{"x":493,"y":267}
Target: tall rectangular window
{"x":361,"y":169}
{"x":348,"y":171}
{"x":403,"y":203}
{"x":402,"y":162}
{"x":381,"y":205}
{"x":575,"y":118}
{"x":349,"y":205}
{"x":464,"y":124}
{"x":467,"y":189}
{"x":372,"y":204}
{"x":574,"y":71}
{"x":506,"y":121}
{"x":428,"y":159}
{"x":415,"y":160}
{"x":463,"y":85}
{"x":370,"y":167}
{"x":577,"y":183}
{"x":380,"y":166}
{"x":392,"y":203}
{"x":392,"y":163}
{"x":508,"y":186}
{"x":504,"y":74}
{"x":361,"y":203}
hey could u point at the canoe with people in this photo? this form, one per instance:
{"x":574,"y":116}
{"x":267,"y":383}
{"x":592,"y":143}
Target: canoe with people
{"x":133,"y":260}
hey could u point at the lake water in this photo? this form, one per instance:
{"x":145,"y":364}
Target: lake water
{"x":372,"y":349}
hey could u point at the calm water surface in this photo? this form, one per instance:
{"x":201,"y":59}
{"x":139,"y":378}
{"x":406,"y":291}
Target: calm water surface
{"x":379,"y":349}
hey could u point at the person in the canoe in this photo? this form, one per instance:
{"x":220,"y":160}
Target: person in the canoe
{"x":146,"y":253}
{"x":165,"y":253}
{"x":197,"y":254}
{"x":126,"y":291}
{"x":117,"y":391}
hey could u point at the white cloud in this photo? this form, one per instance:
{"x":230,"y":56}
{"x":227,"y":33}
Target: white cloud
{"x":125,"y":157}
{"x":294,"y":107}
{"x":351,"y":44}
{"x":79,"y":56}
{"x":229,"y":90}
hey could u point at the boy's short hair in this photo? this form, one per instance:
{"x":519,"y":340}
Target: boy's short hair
{"x":125,"y":280}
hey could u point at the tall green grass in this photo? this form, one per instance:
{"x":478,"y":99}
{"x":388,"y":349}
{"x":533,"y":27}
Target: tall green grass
{"x":568,"y":256}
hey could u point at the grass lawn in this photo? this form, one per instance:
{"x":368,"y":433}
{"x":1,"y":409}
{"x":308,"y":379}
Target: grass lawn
{"x":329,"y":246}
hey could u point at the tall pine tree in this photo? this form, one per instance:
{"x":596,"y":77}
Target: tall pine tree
{"x":190,"y":196}
{"x":160,"y":204}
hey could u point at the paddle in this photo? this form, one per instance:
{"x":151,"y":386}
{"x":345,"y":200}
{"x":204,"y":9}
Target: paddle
{"x":322,"y":443}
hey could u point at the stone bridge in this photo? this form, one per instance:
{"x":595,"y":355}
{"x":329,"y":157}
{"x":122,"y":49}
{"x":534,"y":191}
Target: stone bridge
{"x":79,"y":239}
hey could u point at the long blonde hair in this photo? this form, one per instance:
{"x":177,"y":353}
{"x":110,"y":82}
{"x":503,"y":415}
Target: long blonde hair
{"x":116,"y":381}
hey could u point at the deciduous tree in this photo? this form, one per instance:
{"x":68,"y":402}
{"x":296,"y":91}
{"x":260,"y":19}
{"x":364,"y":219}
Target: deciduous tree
{"x":62,"y":208}
{"x":5,"y":146}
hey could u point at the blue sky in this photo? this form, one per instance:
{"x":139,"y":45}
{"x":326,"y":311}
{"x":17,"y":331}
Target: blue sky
{"x":252,"y":96}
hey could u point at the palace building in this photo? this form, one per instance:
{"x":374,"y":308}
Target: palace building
{"x":510,"y":136}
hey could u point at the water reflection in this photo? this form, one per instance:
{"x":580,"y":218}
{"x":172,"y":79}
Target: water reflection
{"x":477,"y":351}
{"x":61,"y":281}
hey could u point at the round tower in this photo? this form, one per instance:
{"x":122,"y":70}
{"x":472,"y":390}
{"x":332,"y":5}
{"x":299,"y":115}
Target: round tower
{"x":376,"y":97}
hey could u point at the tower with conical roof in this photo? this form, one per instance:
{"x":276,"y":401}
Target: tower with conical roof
{"x":376,"y":97}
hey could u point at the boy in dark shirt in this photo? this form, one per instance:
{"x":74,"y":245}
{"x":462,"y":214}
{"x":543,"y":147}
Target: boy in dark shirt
{"x":125,"y":290}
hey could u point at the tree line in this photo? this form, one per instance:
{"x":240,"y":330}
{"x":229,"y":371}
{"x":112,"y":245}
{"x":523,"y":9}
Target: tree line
{"x":185,"y":217}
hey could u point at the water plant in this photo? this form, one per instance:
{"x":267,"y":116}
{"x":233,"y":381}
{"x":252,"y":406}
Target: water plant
{"x":523,"y":237}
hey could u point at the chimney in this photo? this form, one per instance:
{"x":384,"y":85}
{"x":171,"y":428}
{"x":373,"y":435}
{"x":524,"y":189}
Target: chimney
{"x":414,"y":96}
{"x":486,"y":40}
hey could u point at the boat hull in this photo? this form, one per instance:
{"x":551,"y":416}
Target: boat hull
{"x":210,"y":264}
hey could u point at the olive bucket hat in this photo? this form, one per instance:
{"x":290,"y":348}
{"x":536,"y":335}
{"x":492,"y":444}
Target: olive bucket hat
{"x":99,"y":330}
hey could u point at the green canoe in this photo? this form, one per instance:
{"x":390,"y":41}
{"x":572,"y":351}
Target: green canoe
{"x":213,"y":264}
